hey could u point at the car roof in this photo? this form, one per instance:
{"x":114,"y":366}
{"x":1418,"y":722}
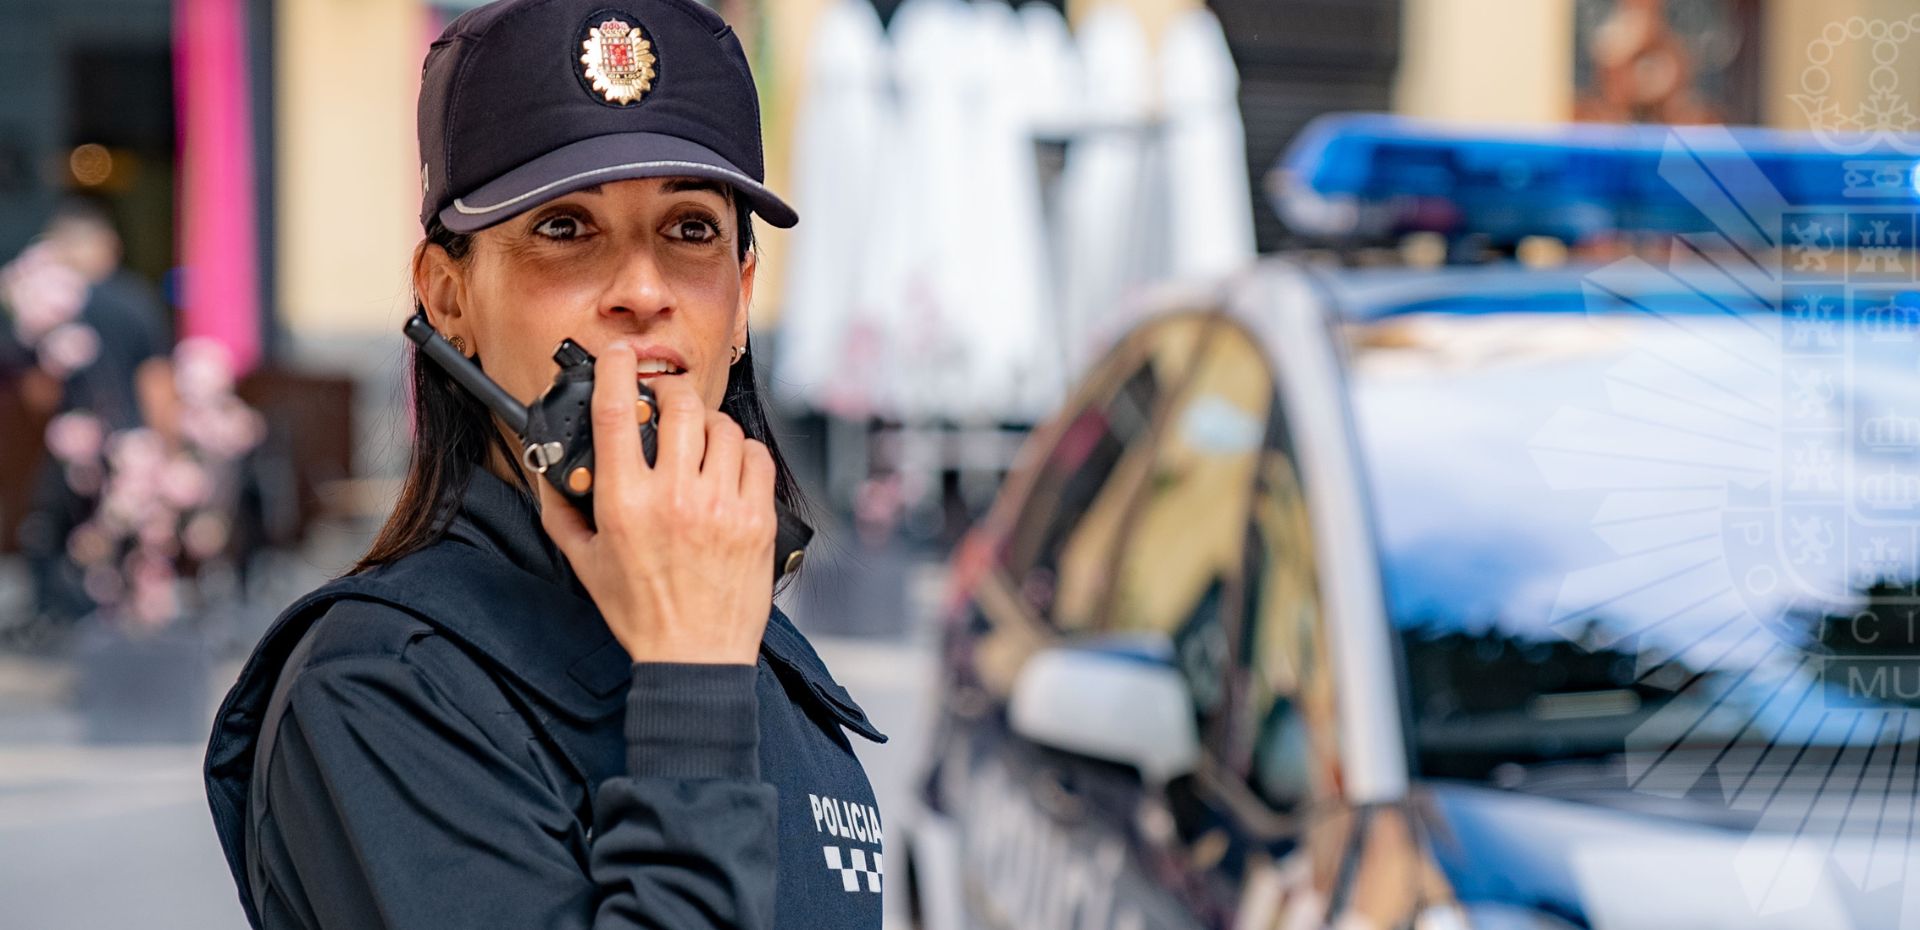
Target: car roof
{"x":1365,"y":294}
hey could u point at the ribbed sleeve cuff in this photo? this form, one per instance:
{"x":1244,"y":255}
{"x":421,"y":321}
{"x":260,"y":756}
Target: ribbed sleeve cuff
{"x":690,"y":721}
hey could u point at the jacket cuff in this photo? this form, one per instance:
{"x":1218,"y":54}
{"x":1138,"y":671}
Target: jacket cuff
{"x":689,"y":721}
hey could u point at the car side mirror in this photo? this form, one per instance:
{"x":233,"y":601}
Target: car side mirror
{"x":1113,"y":701}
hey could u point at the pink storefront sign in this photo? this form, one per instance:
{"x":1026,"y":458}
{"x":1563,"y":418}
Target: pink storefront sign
{"x":216,"y":215}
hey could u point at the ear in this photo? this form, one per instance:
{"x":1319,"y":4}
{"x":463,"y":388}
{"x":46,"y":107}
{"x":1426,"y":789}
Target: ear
{"x":441,"y":286}
{"x":741,"y":313}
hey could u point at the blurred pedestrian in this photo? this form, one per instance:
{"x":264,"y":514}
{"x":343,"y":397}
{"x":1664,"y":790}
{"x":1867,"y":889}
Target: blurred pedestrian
{"x":108,"y":365}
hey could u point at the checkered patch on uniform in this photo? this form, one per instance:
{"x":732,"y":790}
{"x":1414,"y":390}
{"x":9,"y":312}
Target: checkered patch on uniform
{"x":854,"y":867}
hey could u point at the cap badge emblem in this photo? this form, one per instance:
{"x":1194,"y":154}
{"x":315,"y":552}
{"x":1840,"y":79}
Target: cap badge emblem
{"x":619,"y":61}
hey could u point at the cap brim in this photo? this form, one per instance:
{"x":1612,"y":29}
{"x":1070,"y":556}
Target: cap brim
{"x":616,"y":157}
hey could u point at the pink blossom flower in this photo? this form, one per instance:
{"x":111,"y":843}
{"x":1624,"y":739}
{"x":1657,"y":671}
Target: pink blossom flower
{"x":120,"y":512}
{"x":75,"y":436}
{"x":43,"y":292}
{"x":157,"y":533}
{"x":128,"y":501}
{"x":184,"y":484}
{"x":69,"y":348}
{"x":152,"y":579}
{"x":202,"y":429}
{"x":154,"y":604}
{"x":203,"y":370}
{"x":241,"y":428}
{"x":88,"y":544}
{"x":136,"y":454}
{"x":205,"y":535}
{"x":145,"y":490}
{"x":226,"y":430}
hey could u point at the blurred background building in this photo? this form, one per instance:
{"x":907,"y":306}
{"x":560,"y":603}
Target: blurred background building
{"x":259,"y":160}
{"x":259,"y":156}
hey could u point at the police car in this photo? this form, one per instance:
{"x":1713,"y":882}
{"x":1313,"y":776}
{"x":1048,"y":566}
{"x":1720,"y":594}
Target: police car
{"x":1465,"y":597}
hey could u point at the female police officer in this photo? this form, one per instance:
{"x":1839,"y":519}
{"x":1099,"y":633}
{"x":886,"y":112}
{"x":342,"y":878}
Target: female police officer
{"x":437,"y":739}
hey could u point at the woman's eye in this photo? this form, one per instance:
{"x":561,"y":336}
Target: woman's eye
{"x":558,"y":227}
{"x":696,"y":230}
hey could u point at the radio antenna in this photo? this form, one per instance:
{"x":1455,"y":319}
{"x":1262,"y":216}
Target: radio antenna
{"x":465,"y":371}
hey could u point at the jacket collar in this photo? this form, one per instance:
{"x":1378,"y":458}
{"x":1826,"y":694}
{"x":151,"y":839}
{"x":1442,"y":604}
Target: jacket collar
{"x":783,"y":645}
{"x":504,"y":520}
{"x":529,"y":613}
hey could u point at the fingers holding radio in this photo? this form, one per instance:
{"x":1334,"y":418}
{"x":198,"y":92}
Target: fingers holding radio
{"x":564,"y":524}
{"x":677,"y":557}
{"x":721,"y":466}
{"x":756,"y":472}
{"x":683,"y":427}
{"x":616,"y":443}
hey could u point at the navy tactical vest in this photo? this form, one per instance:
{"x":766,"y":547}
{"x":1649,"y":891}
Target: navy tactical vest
{"x":550,"y":652}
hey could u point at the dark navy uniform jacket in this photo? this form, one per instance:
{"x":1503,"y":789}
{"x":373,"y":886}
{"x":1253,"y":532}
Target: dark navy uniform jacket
{"x":464,"y":745}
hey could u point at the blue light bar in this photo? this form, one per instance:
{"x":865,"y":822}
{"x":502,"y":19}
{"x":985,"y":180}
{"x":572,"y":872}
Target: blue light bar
{"x":1373,"y":177}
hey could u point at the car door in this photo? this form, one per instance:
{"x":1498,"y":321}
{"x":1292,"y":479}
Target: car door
{"x":1039,"y":563}
{"x":1247,"y":544}
{"x":1183,"y":494}
{"x":1045,"y":838}
{"x":1304,"y":775}
{"x":1220,"y":553}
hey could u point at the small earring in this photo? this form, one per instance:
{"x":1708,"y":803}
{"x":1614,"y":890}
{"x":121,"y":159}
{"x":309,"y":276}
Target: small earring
{"x":459,"y":344}
{"x":739,"y":352}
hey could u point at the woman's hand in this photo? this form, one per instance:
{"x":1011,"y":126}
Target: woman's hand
{"x":678,"y":561}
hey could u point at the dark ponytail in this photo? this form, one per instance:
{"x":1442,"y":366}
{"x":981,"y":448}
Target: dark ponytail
{"x":453,"y":434}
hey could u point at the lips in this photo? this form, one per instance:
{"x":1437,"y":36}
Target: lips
{"x":654,"y":360}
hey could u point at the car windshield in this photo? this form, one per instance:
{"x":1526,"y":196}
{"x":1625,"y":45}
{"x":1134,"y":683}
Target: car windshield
{"x":1646,"y":532}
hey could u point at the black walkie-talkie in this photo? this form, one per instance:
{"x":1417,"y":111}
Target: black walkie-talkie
{"x":556,"y":432}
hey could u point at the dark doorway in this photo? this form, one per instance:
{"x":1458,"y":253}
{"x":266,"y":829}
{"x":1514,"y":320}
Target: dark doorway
{"x":1299,"y":59}
{"x":121,"y":98}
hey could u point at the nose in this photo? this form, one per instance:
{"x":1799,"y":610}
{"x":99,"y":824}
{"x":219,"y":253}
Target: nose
{"x":637,"y":287}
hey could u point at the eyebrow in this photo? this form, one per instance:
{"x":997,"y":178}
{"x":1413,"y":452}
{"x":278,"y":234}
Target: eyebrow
{"x":686,"y":185}
{"x":679,"y":186}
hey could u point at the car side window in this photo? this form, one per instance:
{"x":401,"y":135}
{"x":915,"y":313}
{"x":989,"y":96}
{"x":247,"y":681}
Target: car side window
{"x":1217,"y":553}
{"x":1059,"y":551}
{"x":1181,"y":543}
{"x":1284,"y":739}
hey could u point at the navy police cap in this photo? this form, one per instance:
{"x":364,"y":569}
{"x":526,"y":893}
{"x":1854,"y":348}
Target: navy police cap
{"x":523,"y":101}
